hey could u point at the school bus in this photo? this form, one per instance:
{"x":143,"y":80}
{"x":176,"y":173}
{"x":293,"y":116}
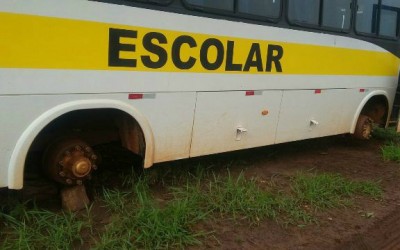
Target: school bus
{"x":173,"y":79}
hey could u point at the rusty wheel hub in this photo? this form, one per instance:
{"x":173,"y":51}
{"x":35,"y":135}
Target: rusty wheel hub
{"x":70,"y":161}
{"x":363,"y":127}
{"x":81,"y":167}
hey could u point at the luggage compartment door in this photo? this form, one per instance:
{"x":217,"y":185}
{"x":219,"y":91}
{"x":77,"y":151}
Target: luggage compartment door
{"x":227,"y":121}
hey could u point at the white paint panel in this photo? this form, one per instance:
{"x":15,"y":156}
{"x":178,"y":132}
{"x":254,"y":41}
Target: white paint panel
{"x":25,"y":94}
{"x":169,"y":115}
{"x":120,"y":14}
{"x":306,"y":114}
{"x":220,"y":114}
{"x":31,"y":81}
{"x":171,"y":118}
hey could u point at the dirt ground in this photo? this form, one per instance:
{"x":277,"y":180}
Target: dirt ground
{"x":341,"y":228}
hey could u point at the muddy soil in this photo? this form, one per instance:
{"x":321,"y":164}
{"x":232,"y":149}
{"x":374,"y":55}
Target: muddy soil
{"x":367,"y":224}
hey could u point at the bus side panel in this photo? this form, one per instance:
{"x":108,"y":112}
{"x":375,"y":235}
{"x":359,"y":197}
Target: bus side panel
{"x":171,"y":118}
{"x":315,"y":113}
{"x":16,"y":113}
{"x":226,"y":121}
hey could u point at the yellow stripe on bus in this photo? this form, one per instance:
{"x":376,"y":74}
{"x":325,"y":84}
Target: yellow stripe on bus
{"x":37,"y":42}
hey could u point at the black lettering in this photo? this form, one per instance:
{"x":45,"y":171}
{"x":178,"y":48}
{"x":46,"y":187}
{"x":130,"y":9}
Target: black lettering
{"x":204,"y":54}
{"x":230,"y":66}
{"x":254,"y":62}
{"x":155,"y":49}
{"x":115,"y":46}
{"x":176,"y":52}
{"x":273,"y":57}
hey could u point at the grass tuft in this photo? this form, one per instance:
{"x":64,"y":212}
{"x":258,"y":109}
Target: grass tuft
{"x":143,"y":223}
{"x":240,"y":198}
{"x":391,"y":152}
{"x":326,"y":190}
{"x":40,"y":229}
{"x":386,"y":134}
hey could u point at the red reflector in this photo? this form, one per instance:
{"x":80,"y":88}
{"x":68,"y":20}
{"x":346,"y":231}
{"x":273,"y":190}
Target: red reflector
{"x":362,"y":90}
{"x":135,"y":96}
{"x":317,"y":91}
{"x":249,"y":93}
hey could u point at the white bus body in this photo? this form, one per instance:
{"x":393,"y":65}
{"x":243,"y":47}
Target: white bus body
{"x":54,"y":59}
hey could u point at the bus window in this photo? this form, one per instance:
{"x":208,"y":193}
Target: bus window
{"x":262,"y":8}
{"x":389,"y":18}
{"x":366,"y":16}
{"x":161,"y":2}
{"x":336,"y":14}
{"x":378,"y":17}
{"x":224,"y":5}
{"x":304,"y":11}
{"x":326,"y":14}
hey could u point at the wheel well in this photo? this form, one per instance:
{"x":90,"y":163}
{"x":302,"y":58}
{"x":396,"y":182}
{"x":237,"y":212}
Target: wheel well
{"x":377,"y":108}
{"x":94,"y":126}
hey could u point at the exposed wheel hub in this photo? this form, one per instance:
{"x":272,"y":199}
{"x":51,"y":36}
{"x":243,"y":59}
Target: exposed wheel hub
{"x":70,"y":161}
{"x":364,"y":127}
{"x":81,"y":167}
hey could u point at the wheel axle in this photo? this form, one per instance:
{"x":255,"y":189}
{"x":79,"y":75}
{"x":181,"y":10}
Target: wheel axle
{"x":69,"y":161}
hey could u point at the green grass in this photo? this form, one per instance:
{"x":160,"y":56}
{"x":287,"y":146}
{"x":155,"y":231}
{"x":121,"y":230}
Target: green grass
{"x":386,"y":134}
{"x":391,"y":152}
{"x":40,"y":229}
{"x":141,"y":222}
{"x":326,"y":190}
{"x":240,"y":198}
{"x":144,"y":219}
{"x":293,"y":212}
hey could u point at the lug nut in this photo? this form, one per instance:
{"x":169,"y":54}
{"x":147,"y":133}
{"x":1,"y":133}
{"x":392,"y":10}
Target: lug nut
{"x":68,"y":181}
{"x":88,"y":149}
{"x":94,"y":167}
{"x":79,"y":182}
{"x":93,"y":157}
{"x":62,"y":174}
{"x":79,"y":148}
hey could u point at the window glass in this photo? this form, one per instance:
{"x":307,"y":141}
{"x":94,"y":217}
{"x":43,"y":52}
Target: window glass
{"x":226,"y":5}
{"x":389,"y":18}
{"x":336,"y":14}
{"x":264,"y":8}
{"x":367,"y":12}
{"x":304,"y":11}
{"x":163,"y":2}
